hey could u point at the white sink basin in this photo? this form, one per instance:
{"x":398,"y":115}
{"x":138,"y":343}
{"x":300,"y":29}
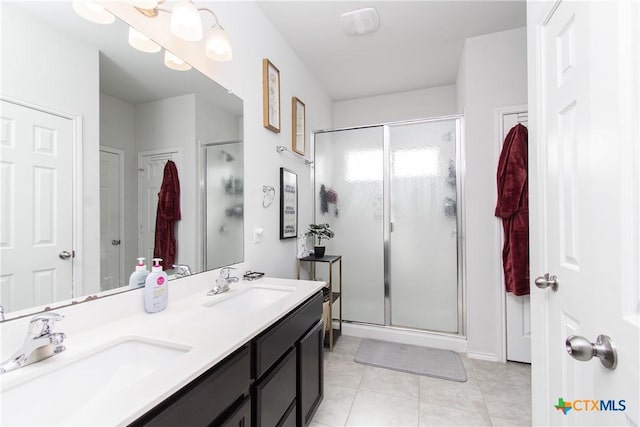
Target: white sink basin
{"x":253,"y":299}
{"x":38,"y":401}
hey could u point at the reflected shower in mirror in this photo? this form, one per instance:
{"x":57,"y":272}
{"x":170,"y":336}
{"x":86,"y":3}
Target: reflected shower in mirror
{"x":224,"y":208}
{"x":106,"y":119}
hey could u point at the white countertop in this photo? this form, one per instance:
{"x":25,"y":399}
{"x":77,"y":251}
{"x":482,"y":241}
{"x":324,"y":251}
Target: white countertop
{"x":212,"y":334}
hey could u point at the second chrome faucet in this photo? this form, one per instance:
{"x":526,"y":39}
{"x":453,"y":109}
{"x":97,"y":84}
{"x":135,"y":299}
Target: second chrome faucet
{"x":222,"y":282}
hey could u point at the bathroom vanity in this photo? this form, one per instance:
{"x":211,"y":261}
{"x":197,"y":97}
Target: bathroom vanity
{"x":275,"y":379}
{"x":251,"y":356}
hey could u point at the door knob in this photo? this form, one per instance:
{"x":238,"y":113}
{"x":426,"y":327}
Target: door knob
{"x":115,"y":242}
{"x":582,"y":349}
{"x":547,"y":281}
{"x":64,"y":255}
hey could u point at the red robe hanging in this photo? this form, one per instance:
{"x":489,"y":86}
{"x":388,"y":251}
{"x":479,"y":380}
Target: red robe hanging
{"x":513,"y":208}
{"x":167,"y":214}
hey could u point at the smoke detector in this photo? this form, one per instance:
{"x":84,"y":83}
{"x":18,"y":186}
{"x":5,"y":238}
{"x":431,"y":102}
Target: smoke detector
{"x":361,"y":21}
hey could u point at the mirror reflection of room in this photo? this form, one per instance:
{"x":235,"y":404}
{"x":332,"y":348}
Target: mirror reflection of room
{"x":109,"y":119}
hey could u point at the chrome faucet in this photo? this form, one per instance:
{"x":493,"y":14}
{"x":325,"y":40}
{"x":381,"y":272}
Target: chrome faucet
{"x":182,"y":270}
{"x":222,"y":282}
{"x":39,"y":344}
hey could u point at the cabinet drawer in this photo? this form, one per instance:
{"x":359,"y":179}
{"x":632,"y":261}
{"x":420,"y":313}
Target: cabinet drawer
{"x":204,"y":399}
{"x":276,"y":392}
{"x":270,"y":346}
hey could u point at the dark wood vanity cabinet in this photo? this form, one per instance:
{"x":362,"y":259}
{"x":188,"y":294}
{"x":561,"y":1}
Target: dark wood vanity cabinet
{"x":208,"y":397}
{"x":275,"y":380}
{"x":290,"y":354}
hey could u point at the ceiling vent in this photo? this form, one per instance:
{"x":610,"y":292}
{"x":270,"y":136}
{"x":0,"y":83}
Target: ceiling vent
{"x":361,"y":21}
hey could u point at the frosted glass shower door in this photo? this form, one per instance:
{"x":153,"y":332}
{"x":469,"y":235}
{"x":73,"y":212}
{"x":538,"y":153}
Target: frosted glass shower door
{"x":423,"y":264}
{"x":348,"y":196}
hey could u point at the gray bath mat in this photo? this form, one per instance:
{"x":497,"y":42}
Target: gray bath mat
{"x":427,"y":361}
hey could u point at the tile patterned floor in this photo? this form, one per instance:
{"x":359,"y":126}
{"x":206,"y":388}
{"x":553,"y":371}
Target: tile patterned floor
{"x":359,"y":395}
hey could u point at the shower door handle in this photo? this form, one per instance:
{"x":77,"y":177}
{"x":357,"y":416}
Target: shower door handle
{"x":390,"y":227}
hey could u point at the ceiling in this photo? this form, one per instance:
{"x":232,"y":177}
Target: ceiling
{"x":418,"y":45}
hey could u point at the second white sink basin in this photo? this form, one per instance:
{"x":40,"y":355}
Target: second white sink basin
{"x":38,"y":401}
{"x":253,"y":299}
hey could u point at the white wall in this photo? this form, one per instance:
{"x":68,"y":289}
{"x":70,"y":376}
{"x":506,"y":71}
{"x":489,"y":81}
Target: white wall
{"x":253,"y":38}
{"x":416,"y":104}
{"x":35,"y":70}
{"x":493,"y":74}
{"x":214,"y":124}
{"x":117,"y":130}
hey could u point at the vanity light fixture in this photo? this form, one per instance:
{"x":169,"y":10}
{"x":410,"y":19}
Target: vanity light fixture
{"x":175,"y":63}
{"x":142,"y":42}
{"x":92,"y":11}
{"x":185,"y":21}
{"x":186,"y":24}
{"x":217,"y":45}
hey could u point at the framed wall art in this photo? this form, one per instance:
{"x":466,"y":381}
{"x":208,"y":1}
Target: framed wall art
{"x":288,"y":204}
{"x":299,"y":126}
{"x":270,"y":96}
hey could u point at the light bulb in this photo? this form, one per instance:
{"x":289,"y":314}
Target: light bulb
{"x":217,"y":46}
{"x":175,"y":63}
{"x":141,"y":42}
{"x":92,"y":11}
{"x":185,"y":21}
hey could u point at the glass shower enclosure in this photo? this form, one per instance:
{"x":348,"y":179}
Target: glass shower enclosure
{"x":392,"y":195}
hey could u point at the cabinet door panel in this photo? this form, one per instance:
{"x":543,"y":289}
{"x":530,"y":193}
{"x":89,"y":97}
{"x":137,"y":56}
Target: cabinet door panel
{"x":289,"y":419}
{"x":241,"y":417}
{"x":276,"y":392}
{"x":310,"y":373}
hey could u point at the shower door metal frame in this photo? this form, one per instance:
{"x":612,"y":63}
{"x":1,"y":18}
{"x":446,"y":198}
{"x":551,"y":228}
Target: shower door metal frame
{"x":386,"y":222}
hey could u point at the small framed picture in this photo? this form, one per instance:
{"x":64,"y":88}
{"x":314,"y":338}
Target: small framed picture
{"x":288,"y":204}
{"x":299,"y":129}
{"x":270,"y":96}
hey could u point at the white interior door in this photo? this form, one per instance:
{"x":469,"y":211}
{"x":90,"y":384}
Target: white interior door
{"x":36,"y":171}
{"x":150,"y":173}
{"x":111,"y":216}
{"x":585,"y":194}
{"x":517,"y":308}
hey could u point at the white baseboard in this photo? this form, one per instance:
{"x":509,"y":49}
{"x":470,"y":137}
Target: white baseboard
{"x":483,"y":356}
{"x":404,"y":336}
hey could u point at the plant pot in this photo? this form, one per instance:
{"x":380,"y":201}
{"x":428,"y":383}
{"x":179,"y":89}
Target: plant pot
{"x":319,"y":251}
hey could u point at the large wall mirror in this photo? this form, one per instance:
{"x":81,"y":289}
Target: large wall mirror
{"x":88,"y":126}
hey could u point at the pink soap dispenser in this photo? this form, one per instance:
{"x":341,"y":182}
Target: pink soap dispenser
{"x":156,"y":288}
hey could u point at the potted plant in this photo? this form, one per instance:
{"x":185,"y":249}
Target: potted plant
{"x":320,"y":231}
